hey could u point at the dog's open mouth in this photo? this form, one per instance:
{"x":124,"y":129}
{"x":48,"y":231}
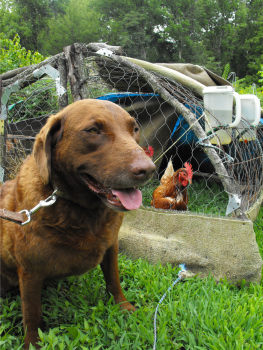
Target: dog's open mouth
{"x":120,"y":199}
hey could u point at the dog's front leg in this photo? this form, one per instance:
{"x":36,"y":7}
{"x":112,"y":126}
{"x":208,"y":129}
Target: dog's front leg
{"x":110,"y":270}
{"x":30,"y":290}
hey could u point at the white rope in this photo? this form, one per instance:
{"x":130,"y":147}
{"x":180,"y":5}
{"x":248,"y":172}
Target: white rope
{"x":180,"y":276}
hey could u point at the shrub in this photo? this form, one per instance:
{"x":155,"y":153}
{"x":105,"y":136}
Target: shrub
{"x":13,"y":56}
{"x":260,"y":73}
{"x":242,"y":88}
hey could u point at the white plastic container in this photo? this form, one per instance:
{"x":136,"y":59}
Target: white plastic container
{"x":218,"y":103}
{"x":250,"y":112}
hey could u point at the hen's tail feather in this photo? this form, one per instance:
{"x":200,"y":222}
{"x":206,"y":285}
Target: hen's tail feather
{"x":169,"y":171}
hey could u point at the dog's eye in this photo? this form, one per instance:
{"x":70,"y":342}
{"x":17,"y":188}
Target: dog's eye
{"x":136,"y":129}
{"x":93,"y":131}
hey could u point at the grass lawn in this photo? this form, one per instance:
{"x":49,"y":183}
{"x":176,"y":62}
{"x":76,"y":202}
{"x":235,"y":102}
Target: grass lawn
{"x":196,"y":314}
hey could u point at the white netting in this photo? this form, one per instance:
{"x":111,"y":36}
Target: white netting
{"x":162,"y":127}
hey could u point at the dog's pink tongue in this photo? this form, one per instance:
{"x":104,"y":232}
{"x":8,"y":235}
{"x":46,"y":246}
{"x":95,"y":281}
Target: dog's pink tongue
{"x":130,"y":198}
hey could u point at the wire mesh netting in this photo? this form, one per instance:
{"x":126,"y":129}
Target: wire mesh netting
{"x":163,"y":128}
{"x":28,"y":110}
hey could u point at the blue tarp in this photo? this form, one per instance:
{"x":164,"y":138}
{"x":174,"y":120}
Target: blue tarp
{"x":113,"y":97}
{"x":181,"y":125}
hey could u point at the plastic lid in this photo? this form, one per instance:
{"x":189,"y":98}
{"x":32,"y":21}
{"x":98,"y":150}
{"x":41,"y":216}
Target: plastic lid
{"x":218,"y":89}
{"x":249,"y":97}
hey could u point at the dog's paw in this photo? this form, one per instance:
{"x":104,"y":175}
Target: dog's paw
{"x":126,"y":306}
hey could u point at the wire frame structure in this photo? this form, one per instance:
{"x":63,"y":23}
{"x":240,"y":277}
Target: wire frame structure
{"x":227,"y":177}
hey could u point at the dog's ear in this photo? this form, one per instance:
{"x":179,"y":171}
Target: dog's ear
{"x":45,"y":141}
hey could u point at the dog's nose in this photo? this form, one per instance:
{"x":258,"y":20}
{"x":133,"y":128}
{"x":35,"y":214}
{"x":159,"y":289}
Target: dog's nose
{"x":142,"y":169}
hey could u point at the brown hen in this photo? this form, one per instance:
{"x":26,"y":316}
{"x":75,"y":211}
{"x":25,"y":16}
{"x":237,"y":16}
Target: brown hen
{"x":172,"y":192}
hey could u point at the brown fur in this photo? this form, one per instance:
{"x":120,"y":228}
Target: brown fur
{"x":72,"y":236}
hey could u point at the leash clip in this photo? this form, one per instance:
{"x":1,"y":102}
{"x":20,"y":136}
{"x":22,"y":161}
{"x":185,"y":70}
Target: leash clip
{"x":43,"y":203}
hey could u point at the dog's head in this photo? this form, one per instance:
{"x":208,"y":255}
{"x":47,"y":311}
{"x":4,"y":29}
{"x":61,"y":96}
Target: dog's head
{"x":93,"y":146}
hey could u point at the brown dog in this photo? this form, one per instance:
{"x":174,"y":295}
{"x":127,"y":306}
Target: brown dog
{"x":89,"y":152}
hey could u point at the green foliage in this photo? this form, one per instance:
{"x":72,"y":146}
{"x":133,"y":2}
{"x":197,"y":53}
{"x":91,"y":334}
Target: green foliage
{"x":226,"y":71}
{"x":260,"y":73}
{"x":243,"y":88}
{"x":181,"y":26}
{"x":77,"y":23}
{"x":205,"y":32}
{"x":27,"y":18}
{"x":212,"y":64}
{"x":129,"y":24}
{"x":9,"y":22}
{"x":13,"y":55}
{"x":258,"y":228}
{"x":147,"y":191}
{"x":36,"y":100}
{"x":247,"y":50}
{"x":32,"y":18}
{"x":218,"y":23}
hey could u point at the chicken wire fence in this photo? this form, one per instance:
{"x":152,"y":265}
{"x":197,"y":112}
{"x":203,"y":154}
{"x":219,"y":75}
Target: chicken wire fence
{"x":229,"y":183}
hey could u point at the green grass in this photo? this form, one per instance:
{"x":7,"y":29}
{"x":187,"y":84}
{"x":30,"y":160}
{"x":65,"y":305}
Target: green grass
{"x":196,"y":313}
{"x":258,"y":228}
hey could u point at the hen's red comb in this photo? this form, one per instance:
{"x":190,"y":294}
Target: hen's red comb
{"x":189,"y":170}
{"x":149,"y":151}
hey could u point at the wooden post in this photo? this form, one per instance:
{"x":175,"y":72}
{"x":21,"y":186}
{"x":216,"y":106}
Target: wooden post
{"x":77,"y":71}
{"x":62,"y":68}
{"x":2,"y":138}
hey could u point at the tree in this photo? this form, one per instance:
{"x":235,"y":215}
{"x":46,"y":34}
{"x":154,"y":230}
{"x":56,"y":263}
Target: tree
{"x":248,"y":53}
{"x":219,"y":22}
{"x":33,"y":15}
{"x":9,"y":19}
{"x":211,"y":33}
{"x":129,"y":24}
{"x":78,"y":23}
{"x":233,"y":33}
{"x":180,"y":26}
{"x":28,"y":19}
